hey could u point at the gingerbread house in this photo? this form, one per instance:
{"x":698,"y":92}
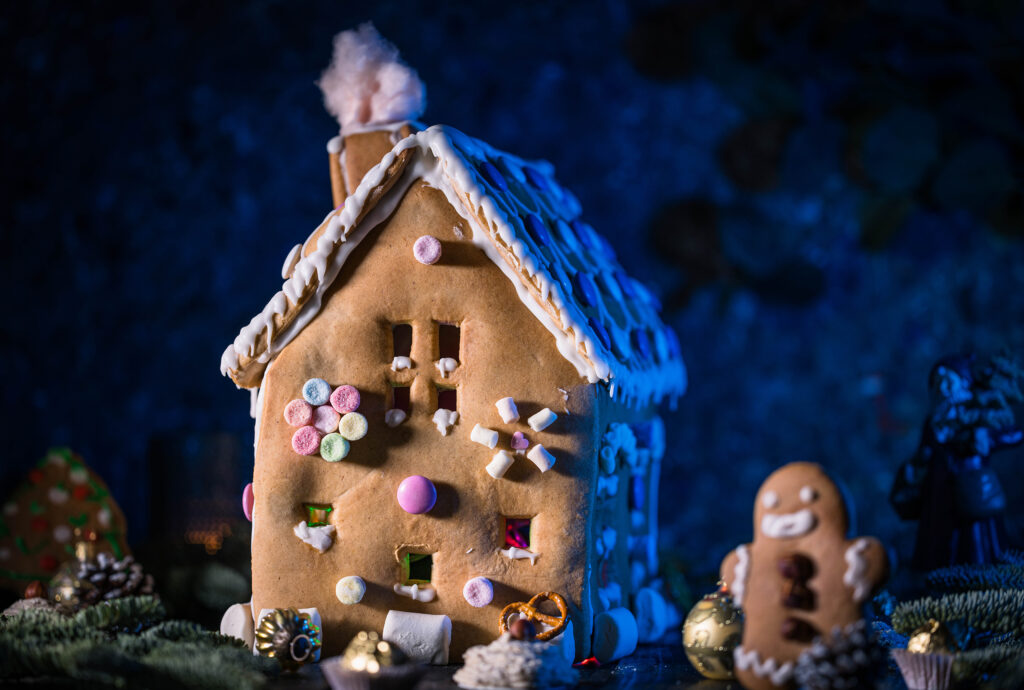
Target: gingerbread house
{"x":455,"y":394}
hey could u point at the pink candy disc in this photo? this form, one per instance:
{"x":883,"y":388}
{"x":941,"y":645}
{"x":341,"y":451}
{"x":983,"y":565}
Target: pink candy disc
{"x":416,"y":494}
{"x":306,"y":441}
{"x":427,"y":250}
{"x":247,"y":501}
{"x":345,"y":399}
{"x":298,"y":413}
{"x":519,"y":441}
{"x":478,"y":592}
{"x":325,"y":419}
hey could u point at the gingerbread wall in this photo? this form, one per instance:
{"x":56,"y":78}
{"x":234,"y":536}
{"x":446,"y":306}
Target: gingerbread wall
{"x":504,"y":352}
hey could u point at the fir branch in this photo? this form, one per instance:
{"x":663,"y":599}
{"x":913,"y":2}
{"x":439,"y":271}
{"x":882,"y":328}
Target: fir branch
{"x":996,"y":611}
{"x":126,"y":613}
{"x":1012,"y":557}
{"x":204,"y":667}
{"x":965,"y":578}
{"x":976,"y":665}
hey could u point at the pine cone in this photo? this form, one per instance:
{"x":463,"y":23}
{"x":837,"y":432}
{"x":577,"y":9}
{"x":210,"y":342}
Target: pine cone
{"x":112,"y":578}
{"x":847,"y":658}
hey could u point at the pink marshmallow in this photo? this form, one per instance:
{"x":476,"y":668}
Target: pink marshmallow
{"x":247,"y":501}
{"x":298,"y":413}
{"x":478,"y":592}
{"x":306,"y":441}
{"x":427,"y":250}
{"x":519,"y":441}
{"x":325,"y":419}
{"x":345,"y":399}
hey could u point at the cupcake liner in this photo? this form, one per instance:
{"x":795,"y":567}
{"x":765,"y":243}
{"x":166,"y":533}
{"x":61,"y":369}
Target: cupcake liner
{"x":925,"y":671}
{"x":388,"y":678}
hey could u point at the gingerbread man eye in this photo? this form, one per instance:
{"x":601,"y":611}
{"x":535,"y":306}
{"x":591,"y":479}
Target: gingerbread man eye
{"x":770,"y":499}
{"x":807,"y":494}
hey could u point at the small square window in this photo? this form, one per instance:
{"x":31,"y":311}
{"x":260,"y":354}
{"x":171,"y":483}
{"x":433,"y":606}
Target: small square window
{"x":447,"y":399}
{"x":401,"y":336}
{"x":517,"y":532}
{"x":448,"y":341}
{"x":318,"y":514}
{"x":417,"y":568}
{"x":400,"y":398}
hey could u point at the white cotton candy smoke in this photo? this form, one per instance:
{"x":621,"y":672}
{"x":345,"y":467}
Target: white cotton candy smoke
{"x":367,"y":83}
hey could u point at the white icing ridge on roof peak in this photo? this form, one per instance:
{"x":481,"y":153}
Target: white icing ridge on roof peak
{"x":604,"y":322}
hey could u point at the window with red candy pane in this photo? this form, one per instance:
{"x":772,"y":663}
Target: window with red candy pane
{"x":517,"y":532}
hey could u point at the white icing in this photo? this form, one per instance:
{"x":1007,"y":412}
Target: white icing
{"x":10,"y":508}
{"x":770,"y":500}
{"x":507,"y":410}
{"x":56,"y":459}
{"x":104,"y":517}
{"x":750,"y":660}
{"x":422,"y":593}
{"x":446,"y":365}
{"x":788,"y":525}
{"x":5,"y":554}
{"x":320,"y":537}
{"x":855,"y":576}
{"x":254,"y":398}
{"x":334,"y":144}
{"x":62,"y":533}
{"x":540,"y":457}
{"x":542,"y":420}
{"x":499,"y":464}
{"x":444,"y":158}
{"x":57,"y":495}
{"x":289,"y":262}
{"x":444,"y":419}
{"x":740,"y":573}
{"x":610,"y":595}
{"x":608,"y":486}
{"x":78,"y":475}
{"x":399,"y":363}
{"x":514,"y":552}
{"x":509,"y":663}
{"x":484,"y":436}
{"x":394,"y":417}
{"x":808,"y":494}
{"x":608,"y":535}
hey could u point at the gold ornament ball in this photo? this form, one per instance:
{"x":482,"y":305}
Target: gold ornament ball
{"x":288,"y":636}
{"x":931,"y":638}
{"x":369,"y":654}
{"x":712,"y":631}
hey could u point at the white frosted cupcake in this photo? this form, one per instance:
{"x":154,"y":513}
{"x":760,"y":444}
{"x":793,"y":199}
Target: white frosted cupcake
{"x":511,"y":663}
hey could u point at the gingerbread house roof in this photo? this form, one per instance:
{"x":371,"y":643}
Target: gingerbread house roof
{"x":604,"y":322}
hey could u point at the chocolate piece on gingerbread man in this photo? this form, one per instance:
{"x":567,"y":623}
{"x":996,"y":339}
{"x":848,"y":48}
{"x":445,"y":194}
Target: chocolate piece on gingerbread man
{"x":800,"y":577}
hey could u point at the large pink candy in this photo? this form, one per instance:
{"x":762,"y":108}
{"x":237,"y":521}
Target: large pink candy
{"x":427,"y":250}
{"x":416,"y":494}
{"x":345,"y":399}
{"x":247,"y":501}
{"x":298,"y":413}
{"x":478,"y":592}
{"x":306,"y":441}
{"x":325,"y":419}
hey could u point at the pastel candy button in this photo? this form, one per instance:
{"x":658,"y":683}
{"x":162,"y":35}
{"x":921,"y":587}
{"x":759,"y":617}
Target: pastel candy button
{"x":416,"y":494}
{"x":298,"y":413}
{"x":325,"y":419}
{"x":427,"y":249}
{"x":306,"y":441}
{"x":333,"y":447}
{"x":345,"y":399}
{"x":478,"y":592}
{"x":353,"y":426}
{"x":350,"y":589}
{"x":316,"y":391}
{"x":247,"y":501}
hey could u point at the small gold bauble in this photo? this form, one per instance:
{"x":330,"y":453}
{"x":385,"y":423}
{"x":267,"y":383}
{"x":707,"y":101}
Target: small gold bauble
{"x":288,"y":636}
{"x":931,"y":638}
{"x":369,"y":654}
{"x":712,"y":631}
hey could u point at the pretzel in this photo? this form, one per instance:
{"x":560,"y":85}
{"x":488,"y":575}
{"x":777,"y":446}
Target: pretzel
{"x":529,"y":610}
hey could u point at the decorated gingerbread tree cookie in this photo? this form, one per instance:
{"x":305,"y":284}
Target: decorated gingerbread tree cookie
{"x":801,"y":577}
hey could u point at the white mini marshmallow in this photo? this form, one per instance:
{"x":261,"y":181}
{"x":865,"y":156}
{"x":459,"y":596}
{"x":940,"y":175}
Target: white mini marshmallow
{"x":540,"y":457}
{"x":237,"y":622}
{"x":542,"y":420}
{"x":507,"y":409}
{"x":424,"y":637}
{"x":484,"y":436}
{"x":499,"y":465}
{"x":615,"y":635}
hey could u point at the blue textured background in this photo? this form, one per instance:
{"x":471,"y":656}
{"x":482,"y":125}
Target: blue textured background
{"x":827,"y":200}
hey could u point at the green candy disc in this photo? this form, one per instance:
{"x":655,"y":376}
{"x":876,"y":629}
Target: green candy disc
{"x":333,"y":447}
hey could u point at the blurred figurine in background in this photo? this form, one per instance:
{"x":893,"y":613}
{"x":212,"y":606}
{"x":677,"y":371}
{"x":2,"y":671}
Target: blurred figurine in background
{"x":949,"y":485}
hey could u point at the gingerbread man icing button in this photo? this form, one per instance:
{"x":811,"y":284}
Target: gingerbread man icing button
{"x":800,"y":577}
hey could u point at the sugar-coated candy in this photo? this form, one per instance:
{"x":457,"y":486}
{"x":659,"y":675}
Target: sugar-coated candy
{"x":298,"y":413}
{"x":353,"y":426}
{"x":325,"y":419}
{"x":345,"y":399}
{"x":333,"y":447}
{"x":416,"y":494}
{"x":494,"y":175}
{"x":427,"y":249}
{"x":306,"y":440}
{"x":350,"y":589}
{"x":507,"y":410}
{"x":316,"y":391}
{"x":247,"y":501}
{"x":478,"y":592}
{"x":542,"y":420}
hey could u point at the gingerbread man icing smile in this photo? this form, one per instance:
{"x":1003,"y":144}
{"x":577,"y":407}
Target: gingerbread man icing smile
{"x":800,"y":577}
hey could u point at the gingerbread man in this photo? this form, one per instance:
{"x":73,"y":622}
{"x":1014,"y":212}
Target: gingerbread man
{"x":801,"y":576}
